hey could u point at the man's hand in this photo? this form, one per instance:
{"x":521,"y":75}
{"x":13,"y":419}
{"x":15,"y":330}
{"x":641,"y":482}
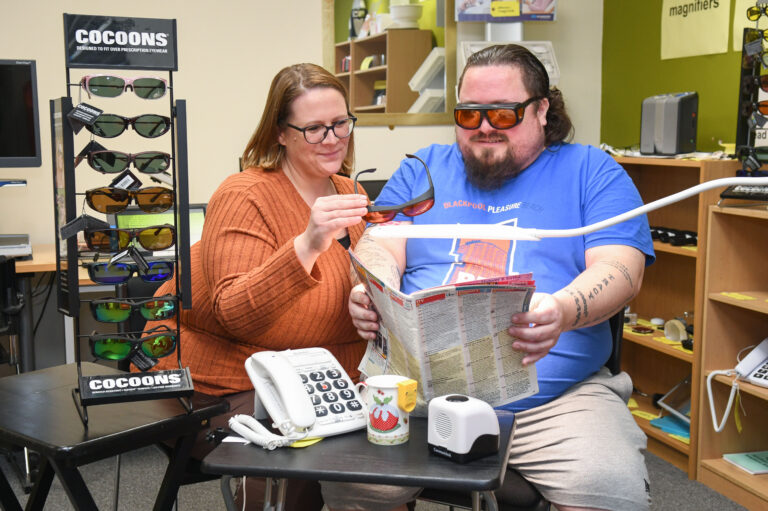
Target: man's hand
{"x":536,"y":331}
{"x":364,"y":316}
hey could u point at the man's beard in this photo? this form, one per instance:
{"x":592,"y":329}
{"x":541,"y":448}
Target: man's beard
{"x":487,"y":174}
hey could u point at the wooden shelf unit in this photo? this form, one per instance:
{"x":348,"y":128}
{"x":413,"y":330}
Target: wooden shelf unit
{"x":404,"y":50}
{"x":735,"y":317}
{"x":671,"y":286}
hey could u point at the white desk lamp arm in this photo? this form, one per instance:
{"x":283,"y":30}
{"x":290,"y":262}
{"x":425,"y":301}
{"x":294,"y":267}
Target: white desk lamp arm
{"x":506,"y":232}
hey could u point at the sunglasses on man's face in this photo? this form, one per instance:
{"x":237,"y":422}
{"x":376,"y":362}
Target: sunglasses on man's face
{"x":501,"y":116}
{"x":117,"y":273}
{"x":160,"y":343}
{"x":117,"y":310}
{"x":146,"y":125}
{"x":157,"y":237}
{"x":108,"y":86}
{"x":414,"y":207}
{"x":112,"y":162}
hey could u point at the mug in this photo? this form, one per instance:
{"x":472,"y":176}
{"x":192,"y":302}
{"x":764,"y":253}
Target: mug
{"x":388,"y":399}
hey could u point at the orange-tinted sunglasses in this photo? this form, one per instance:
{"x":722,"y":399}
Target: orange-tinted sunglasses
{"x":414,"y":207}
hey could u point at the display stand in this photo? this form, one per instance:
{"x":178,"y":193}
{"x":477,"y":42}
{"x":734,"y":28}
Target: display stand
{"x":116,"y":45}
{"x":751,"y":126}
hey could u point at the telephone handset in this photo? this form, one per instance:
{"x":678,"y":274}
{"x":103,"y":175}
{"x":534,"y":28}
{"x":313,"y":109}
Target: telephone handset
{"x":754,"y":369}
{"x":305,"y":392}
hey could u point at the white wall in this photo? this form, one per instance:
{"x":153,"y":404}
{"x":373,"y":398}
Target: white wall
{"x":228,"y":54}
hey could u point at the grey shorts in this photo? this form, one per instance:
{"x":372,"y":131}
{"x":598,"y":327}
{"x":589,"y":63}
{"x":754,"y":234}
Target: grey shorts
{"x":584,"y":449}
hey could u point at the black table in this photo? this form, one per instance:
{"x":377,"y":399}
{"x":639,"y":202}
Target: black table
{"x":37,"y":411}
{"x":351,"y":458}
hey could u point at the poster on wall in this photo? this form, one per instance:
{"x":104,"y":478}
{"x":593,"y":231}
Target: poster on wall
{"x":505,"y":11}
{"x":125,"y":43}
{"x":696,"y":28}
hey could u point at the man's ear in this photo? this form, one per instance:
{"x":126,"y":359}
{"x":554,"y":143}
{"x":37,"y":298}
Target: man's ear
{"x":541,"y":112}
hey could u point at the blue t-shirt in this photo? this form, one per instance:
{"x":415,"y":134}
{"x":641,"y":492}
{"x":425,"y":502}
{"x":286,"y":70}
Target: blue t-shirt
{"x":568,"y":186}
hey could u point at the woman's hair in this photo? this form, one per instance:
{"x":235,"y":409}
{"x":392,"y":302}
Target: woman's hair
{"x":536,"y":81}
{"x":263,"y":149}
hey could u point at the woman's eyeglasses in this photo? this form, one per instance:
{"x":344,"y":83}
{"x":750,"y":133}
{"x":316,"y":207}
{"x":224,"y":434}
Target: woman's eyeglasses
{"x":146,"y":125}
{"x":501,"y":116}
{"x":157,"y":237}
{"x":118,"y":273}
{"x":108,"y":86}
{"x":117,"y":310}
{"x":108,"y":199}
{"x":316,"y":133}
{"x":754,"y":12}
{"x":112,"y":162}
{"x":160,"y":342}
{"x":414,"y":207}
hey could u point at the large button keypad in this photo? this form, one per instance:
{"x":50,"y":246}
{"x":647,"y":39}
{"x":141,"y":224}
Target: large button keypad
{"x":330,"y":393}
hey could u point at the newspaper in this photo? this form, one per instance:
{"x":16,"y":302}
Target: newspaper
{"x":451,"y":339}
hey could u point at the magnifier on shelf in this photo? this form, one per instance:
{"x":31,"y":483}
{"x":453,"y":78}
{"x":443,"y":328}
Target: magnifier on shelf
{"x":507,"y":232}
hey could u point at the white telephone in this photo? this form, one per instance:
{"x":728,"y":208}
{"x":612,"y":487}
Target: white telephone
{"x":305,"y":392}
{"x":754,"y":369}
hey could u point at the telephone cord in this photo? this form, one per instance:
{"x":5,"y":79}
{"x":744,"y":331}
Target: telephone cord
{"x":251,"y":429}
{"x":734,"y":388}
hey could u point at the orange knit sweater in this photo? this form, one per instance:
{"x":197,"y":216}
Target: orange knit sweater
{"x":250,"y":292}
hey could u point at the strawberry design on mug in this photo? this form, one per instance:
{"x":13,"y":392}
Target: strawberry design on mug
{"x":383,"y":416}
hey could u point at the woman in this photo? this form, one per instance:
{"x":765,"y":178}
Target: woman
{"x":271,"y":271}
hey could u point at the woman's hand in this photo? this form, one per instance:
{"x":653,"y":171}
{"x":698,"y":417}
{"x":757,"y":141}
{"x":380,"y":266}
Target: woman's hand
{"x":536,"y":331}
{"x":364,"y":316}
{"x":329,"y":218}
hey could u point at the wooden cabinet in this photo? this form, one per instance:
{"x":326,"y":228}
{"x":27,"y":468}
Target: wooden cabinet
{"x":735,"y":317}
{"x":671,"y":286}
{"x":403,"y":51}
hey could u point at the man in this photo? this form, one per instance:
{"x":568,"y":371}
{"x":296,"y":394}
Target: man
{"x":575,"y":440}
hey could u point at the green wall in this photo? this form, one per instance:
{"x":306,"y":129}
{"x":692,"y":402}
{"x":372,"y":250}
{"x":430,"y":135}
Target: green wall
{"x":633,"y":70}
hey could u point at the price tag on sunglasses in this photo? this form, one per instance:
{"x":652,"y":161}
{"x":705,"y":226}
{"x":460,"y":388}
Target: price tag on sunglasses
{"x":89,"y":147}
{"x":126,"y":180}
{"x":83,"y":115}
{"x":753,"y":47}
{"x":81,"y":223}
{"x":141,"y":263}
{"x":142,"y":361}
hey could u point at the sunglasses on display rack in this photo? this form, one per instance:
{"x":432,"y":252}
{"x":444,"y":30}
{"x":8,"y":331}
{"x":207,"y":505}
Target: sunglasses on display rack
{"x":160,"y":342}
{"x":109,"y":86}
{"x":108,"y":199}
{"x":414,"y":207}
{"x":117,"y":310}
{"x":112,"y":162}
{"x":157,"y":237}
{"x":761,"y":107}
{"x":146,"y":125}
{"x":751,"y":82}
{"x":118,"y":273}
{"x":754,"y":12}
{"x":501,"y":116}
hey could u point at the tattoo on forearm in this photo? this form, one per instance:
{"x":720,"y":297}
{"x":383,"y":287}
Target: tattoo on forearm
{"x":600,"y":285}
{"x":580,"y":301}
{"x":623,"y":270}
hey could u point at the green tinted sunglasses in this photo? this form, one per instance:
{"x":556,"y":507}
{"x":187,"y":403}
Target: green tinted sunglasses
{"x":117,"y":310}
{"x":160,"y":342}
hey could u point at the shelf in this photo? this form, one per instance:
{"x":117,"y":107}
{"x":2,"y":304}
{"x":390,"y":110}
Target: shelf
{"x":371,"y":108}
{"x":744,"y":386}
{"x":654,"y":433}
{"x":687,"y":251}
{"x":649,"y":341}
{"x":750,"y":490}
{"x":742,"y":299}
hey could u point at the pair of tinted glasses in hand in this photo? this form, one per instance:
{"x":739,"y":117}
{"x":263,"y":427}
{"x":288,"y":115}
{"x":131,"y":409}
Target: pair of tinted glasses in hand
{"x":414,"y":207}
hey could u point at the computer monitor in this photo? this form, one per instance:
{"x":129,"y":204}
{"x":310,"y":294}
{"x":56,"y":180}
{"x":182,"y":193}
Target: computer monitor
{"x":134,"y":218}
{"x":19,"y":119}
